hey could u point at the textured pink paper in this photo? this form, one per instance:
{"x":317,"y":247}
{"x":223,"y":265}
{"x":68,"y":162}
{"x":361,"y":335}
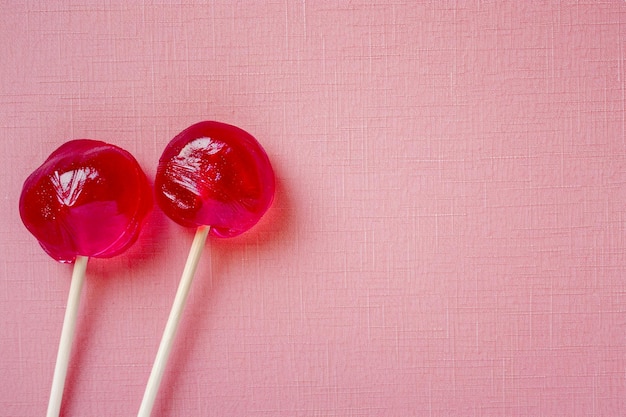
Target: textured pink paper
{"x":448,"y":236}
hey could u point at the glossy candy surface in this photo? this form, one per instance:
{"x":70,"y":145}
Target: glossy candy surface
{"x":217,"y":175}
{"x":88,"y":198}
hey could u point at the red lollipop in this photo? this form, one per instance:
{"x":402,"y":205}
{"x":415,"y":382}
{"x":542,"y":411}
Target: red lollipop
{"x":215,"y":177}
{"x":88,"y":199}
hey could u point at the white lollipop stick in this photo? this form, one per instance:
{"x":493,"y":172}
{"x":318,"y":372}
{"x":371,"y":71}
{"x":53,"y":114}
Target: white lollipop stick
{"x":172,"y":322}
{"x":67,"y":336}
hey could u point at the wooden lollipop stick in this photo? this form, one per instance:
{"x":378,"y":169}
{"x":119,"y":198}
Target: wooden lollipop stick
{"x":67,"y":336}
{"x":172,"y":322}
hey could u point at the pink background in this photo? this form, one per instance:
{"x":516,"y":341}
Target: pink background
{"x":448,"y":237}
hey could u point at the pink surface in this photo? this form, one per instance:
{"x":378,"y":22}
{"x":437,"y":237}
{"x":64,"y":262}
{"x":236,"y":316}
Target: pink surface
{"x":448,"y":236}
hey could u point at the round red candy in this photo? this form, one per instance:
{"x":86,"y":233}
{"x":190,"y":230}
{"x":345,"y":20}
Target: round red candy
{"x":88,"y":198}
{"x":217,"y":175}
